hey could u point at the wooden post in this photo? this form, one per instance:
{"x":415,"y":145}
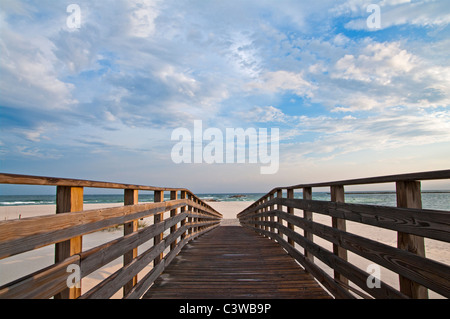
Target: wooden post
{"x":272,"y":218}
{"x":159,"y":197}
{"x":290,"y":210}
{"x":337,"y":195}
{"x":280,"y":208}
{"x":409,"y":196}
{"x":173,"y":213}
{"x":183,"y":195}
{"x":195,"y":219}
{"x":259,"y":218}
{"x":262,"y":218}
{"x":69,"y":199}
{"x":190,"y":209}
{"x":307,"y":195}
{"x":266,"y":218}
{"x":131,"y":197}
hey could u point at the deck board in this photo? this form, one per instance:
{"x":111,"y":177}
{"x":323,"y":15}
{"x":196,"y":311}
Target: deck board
{"x":233,"y":262}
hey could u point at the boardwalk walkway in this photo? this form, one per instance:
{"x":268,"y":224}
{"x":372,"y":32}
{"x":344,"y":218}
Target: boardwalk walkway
{"x":234,"y":262}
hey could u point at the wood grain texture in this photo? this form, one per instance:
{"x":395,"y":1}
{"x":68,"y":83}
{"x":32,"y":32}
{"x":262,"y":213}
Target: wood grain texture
{"x":234,"y":262}
{"x":409,"y":196}
{"x":67,"y":182}
{"x":131,"y":197}
{"x":68,"y":200}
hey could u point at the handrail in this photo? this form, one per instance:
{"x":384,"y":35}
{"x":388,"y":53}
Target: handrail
{"x":189,"y":218}
{"x":416,"y":273}
{"x":68,"y":182}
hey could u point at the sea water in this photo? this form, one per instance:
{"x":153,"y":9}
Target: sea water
{"x":439,"y":200}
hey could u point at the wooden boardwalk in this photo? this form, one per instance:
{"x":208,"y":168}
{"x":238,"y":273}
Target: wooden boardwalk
{"x":209,"y":261}
{"x":234,"y":262}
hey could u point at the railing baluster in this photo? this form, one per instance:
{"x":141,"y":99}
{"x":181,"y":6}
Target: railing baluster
{"x":272,"y":207}
{"x":65,"y":231}
{"x":290,"y":210}
{"x":337,"y":195}
{"x":409,"y":196}
{"x":131,"y":197}
{"x":307,"y":195}
{"x":173,"y":213}
{"x":191,"y":210}
{"x":159,"y":197}
{"x":69,"y":199}
{"x":183,"y":195}
{"x":279,"y":207}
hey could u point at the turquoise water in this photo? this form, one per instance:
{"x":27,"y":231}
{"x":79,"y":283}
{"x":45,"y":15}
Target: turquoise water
{"x":430,"y":200}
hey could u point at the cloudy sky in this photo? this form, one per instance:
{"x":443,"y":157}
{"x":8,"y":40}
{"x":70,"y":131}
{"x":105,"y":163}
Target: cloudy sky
{"x":101,"y":101}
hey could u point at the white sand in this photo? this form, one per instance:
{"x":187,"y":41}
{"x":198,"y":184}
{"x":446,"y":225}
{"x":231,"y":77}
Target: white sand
{"x":18,"y":266}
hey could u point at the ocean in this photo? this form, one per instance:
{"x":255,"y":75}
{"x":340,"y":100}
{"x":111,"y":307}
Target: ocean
{"x":439,"y":200}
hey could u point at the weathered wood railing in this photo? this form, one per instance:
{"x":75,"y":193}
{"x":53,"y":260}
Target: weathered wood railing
{"x":412,"y":223}
{"x":189,"y":217}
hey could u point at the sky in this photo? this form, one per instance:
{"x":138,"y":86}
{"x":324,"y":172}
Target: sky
{"x":96,"y":92}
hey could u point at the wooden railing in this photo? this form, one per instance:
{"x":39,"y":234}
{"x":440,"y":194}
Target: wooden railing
{"x":278,"y":215}
{"x":189,"y":218}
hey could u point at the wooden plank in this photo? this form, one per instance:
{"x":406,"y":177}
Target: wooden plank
{"x":356,"y":275}
{"x":47,"y":282}
{"x":111,"y":284}
{"x":114,"y":282}
{"x":422,"y":222}
{"x":271,"y":208}
{"x":68,"y":182}
{"x":262,"y":269}
{"x":99,"y":256}
{"x":279,"y":206}
{"x":252,"y":209}
{"x":419,"y":176}
{"x":409,"y":195}
{"x":308,"y":215}
{"x":173,"y":213}
{"x":54,"y":181}
{"x":183,"y":209}
{"x":430,"y":273}
{"x":131,"y":197}
{"x":337,"y":195}
{"x":17,"y":236}
{"x":327,"y":281}
{"x":158,"y":218}
{"x":68,"y":200}
{"x":42,"y":284}
{"x":149,"y":278}
{"x":290,"y":210}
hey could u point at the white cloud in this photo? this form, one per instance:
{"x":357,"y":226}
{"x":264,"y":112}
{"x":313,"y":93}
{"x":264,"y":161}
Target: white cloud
{"x":29,"y":78}
{"x":264,"y":115}
{"x":380,"y":62}
{"x":377,"y":133}
{"x":283,"y":81}
{"x":397,"y":12}
{"x":142,"y":17}
{"x":140,"y":68}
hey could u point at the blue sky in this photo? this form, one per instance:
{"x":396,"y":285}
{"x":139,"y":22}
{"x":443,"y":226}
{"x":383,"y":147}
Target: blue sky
{"x":100,"y":102}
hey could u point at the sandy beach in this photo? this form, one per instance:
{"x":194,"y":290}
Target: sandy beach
{"x":17,"y":266}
